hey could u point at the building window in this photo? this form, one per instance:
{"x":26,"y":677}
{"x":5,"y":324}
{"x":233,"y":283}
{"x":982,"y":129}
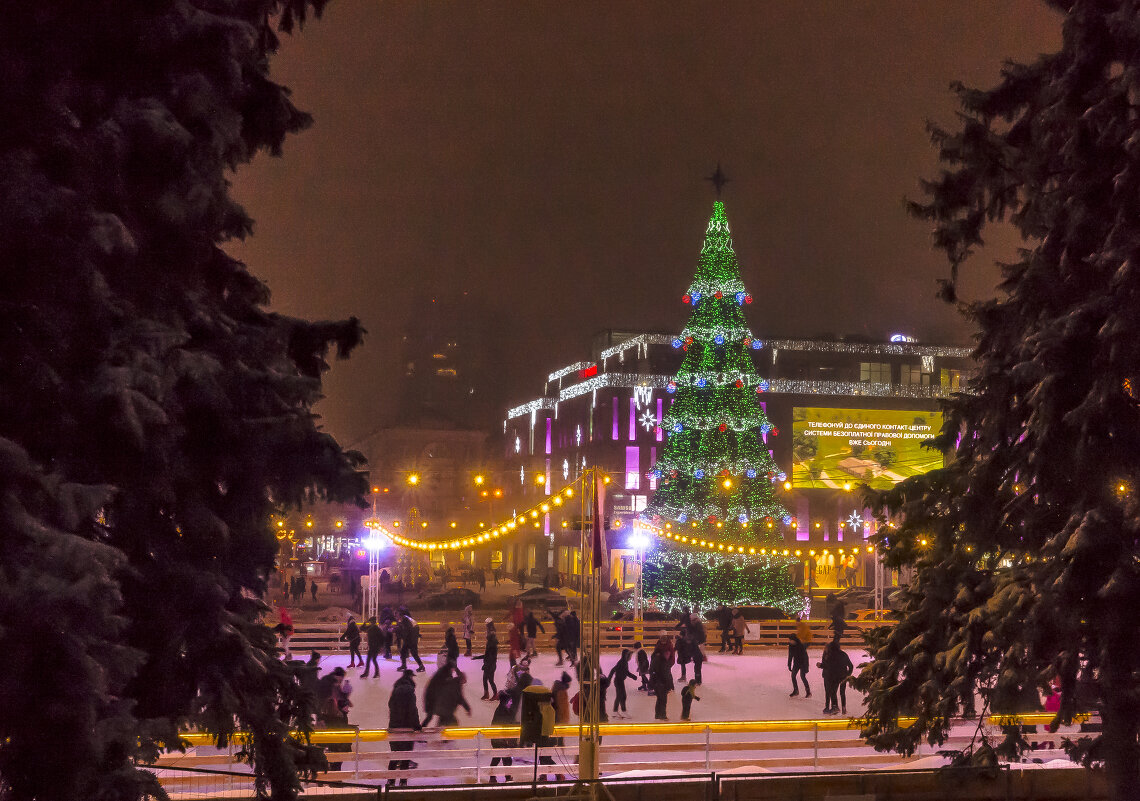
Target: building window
{"x":877,"y":372}
{"x":912,"y":375}
{"x":633,"y":467}
{"x":615,"y":432}
{"x":632,"y":419}
{"x":952,"y":380}
{"x":652,"y":465}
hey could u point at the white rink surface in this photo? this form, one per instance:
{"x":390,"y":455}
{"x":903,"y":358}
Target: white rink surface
{"x":754,"y":686}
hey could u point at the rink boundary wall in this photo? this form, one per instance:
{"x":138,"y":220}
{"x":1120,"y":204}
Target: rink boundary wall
{"x":615,"y":634}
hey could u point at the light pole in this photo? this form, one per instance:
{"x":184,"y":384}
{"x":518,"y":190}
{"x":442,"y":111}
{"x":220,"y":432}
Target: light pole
{"x":640,"y":542}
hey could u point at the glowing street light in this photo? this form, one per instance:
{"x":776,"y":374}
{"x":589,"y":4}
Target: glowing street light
{"x":413,"y":479}
{"x":479,"y":480}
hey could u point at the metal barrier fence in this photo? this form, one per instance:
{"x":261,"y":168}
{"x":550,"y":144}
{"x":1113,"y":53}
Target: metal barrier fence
{"x":617,"y":634}
{"x":943,"y":784}
{"x":487,"y":754}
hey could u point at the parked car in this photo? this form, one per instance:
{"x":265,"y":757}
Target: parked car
{"x":455,"y":598}
{"x":541,"y":598}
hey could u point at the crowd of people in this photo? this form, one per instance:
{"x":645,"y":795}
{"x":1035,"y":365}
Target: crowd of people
{"x":394,"y":633}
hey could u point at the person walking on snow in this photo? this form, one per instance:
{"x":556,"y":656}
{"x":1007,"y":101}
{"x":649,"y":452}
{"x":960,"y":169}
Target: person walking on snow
{"x":798,"y":665}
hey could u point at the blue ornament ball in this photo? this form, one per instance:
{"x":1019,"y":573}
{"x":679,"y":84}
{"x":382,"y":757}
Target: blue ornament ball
{"x":719,"y":339}
{"x":743,"y":518}
{"x":681,"y":518}
{"x":782,"y":476}
{"x":700,"y":382}
{"x":677,"y":426}
{"x":677,"y":343}
{"x":671,"y":388}
{"x":764,"y":384}
{"x":699,"y":473}
{"x":787,"y":520}
{"x":750,"y":473}
{"x":757,"y":344}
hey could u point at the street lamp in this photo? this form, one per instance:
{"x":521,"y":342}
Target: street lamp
{"x":479,"y":480}
{"x":413,"y":479}
{"x":640,"y":542}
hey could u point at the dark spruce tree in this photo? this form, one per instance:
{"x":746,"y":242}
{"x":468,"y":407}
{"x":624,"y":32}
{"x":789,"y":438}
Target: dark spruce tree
{"x":153,"y":413}
{"x":1031,"y":568}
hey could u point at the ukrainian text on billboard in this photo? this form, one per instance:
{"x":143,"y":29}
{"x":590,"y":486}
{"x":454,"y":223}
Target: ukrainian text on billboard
{"x":834,"y":447}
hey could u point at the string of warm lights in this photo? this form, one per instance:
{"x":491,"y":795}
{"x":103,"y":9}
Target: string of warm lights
{"x":552,"y":502}
{"x":709,"y":544}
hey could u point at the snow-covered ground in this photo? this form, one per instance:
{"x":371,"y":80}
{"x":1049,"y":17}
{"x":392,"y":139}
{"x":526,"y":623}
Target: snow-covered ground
{"x":754,"y":686}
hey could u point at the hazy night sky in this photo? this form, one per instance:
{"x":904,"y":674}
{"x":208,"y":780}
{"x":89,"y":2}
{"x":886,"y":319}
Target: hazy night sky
{"x":548,"y":158}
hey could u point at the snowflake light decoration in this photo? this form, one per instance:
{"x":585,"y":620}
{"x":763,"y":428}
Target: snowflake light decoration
{"x":855,"y":520}
{"x":649,"y":420}
{"x":565,"y":470}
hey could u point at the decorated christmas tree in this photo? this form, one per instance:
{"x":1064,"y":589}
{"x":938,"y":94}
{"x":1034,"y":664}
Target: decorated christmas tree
{"x":715,"y":504}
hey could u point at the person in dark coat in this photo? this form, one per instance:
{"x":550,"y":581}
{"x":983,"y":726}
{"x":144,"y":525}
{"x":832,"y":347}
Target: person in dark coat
{"x":683,"y":657}
{"x":642,"y":665}
{"x":402,"y":714}
{"x":504,"y":715}
{"x":532,"y":625}
{"x":559,"y":636}
{"x":313,"y":589}
{"x":723,"y":617}
{"x":661,"y":684}
{"x":490,"y":658}
{"x":798,"y":665}
{"x":327,"y":692}
{"x":375,"y":643}
{"x":388,"y":628}
{"x":573,"y":635}
{"x":617,"y":675}
{"x":351,"y":635}
{"x":836,"y":667}
{"x":410,"y":642}
{"x":451,"y":645}
{"x":697,"y":654}
{"x":688,"y":695}
{"x":450,"y":697}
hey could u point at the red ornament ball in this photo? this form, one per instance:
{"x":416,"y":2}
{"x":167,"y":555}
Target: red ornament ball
{"x":747,"y":298}
{"x":775,"y":431}
{"x":718,"y":295}
{"x":723,"y":427}
{"x":759,"y":390}
{"x":686,"y":299}
{"x":739,"y":383}
{"x":712,"y":518}
{"x":747,"y":342}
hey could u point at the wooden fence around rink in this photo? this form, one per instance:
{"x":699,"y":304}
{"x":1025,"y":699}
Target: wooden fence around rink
{"x":463,"y":755}
{"x":325,"y":637}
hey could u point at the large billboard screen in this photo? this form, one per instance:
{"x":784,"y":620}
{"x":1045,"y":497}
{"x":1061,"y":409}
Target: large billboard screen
{"x":833,"y":447}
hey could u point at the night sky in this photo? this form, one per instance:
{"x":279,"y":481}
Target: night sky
{"x":547,"y":159}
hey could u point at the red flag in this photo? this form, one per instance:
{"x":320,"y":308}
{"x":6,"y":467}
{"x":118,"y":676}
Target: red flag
{"x":599,"y":520}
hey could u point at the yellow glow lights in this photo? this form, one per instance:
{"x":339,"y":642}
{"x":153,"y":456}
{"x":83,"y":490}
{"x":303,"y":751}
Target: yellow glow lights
{"x":559,"y":498}
{"x":712,"y":545}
